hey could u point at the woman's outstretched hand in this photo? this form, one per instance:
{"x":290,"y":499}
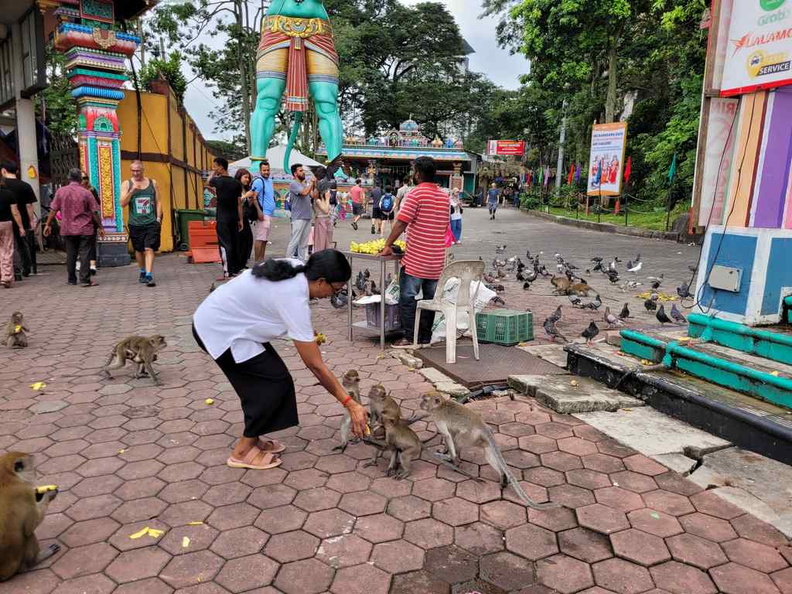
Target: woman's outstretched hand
{"x":359,"y":416}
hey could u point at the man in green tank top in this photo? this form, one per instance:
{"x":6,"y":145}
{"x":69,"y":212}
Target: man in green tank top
{"x":141,"y":195}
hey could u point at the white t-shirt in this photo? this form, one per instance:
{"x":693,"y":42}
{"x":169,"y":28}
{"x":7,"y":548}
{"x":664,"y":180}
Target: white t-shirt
{"x":248,"y":311}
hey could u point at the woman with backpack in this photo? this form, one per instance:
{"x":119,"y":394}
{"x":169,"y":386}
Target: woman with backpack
{"x":387,"y":206}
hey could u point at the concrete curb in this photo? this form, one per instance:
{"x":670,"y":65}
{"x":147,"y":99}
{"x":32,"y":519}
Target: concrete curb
{"x":609,"y":228}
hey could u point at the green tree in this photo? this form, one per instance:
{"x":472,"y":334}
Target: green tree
{"x":170,"y":70}
{"x":57,"y":108}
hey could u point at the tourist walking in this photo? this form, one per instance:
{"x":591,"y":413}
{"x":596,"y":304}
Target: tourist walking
{"x":86,"y":183}
{"x":250,"y":214}
{"x":9,"y":215}
{"x":387,"y":205}
{"x":25,"y":199}
{"x":229,"y":216}
{"x":79,"y":220}
{"x":237,"y":324}
{"x":358,"y":196}
{"x":492,"y":200}
{"x":141,"y":195}
{"x":456,"y":216}
{"x":323,"y":209}
{"x":406,"y":188}
{"x":424,"y":215}
{"x":265,"y":199}
{"x":300,"y":194}
{"x":376,"y":215}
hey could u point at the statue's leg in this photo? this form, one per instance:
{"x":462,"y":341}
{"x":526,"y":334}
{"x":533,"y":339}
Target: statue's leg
{"x":325,"y":96}
{"x":271,"y":68}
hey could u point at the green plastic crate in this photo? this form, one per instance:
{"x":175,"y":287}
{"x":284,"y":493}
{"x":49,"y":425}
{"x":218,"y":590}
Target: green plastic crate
{"x":505,"y":326}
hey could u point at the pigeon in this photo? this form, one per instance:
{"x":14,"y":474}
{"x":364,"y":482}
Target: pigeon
{"x":637,"y":258}
{"x":556,"y":315}
{"x":611,"y":319}
{"x":498,"y":301}
{"x":575,"y":300}
{"x":526,"y":286}
{"x":360,"y":282}
{"x":656,"y":279}
{"x":597,"y":267}
{"x":388,"y":279}
{"x":531,"y":276}
{"x":590,"y":332}
{"x":676,"y":315}
{"x":684,"y":291}
{"x":635,"y":268}
{"x":597,"y":259}
{"x":661,"y":316}
{"x":521,"y":277}
{"x":367,"y":274}
{"x":594,"y":305}
{"x":625,"y":312}
{"x":489,"y":279}
{"x":340,"y":300}
{"x":655,"y":285}
{"x":650,"y":305}
{"x":500,"y":249}
{"x":552,"y":331}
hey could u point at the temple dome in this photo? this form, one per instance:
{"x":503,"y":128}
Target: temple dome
{"x":410,"y":126}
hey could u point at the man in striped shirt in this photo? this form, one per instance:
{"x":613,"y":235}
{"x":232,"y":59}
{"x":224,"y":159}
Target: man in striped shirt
{"x":424,"y":212}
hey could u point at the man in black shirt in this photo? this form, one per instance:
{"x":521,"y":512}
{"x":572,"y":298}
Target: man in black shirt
{"x":229,"y":216}
{"x":25,"y":199}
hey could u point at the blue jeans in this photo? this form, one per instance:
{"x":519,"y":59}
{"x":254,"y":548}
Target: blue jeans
{"x":456,"y":228}
{"x":409,"y":287}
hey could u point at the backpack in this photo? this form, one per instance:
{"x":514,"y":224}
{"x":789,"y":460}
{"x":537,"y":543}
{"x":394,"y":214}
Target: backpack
{"x":386,"y":203}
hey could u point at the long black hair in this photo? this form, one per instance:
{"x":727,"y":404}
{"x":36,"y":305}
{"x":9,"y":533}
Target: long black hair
{"x":330,"y":265}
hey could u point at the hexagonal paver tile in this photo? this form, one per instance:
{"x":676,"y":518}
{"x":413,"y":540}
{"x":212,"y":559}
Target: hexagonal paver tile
{"x":621,"y":576}
{"x":418,"y":582}
{"x":89,"y":532}
{"x":451,"y":564}
{"x":585,"y":544}
{"x":557,"y":519}
{"x":455,"y":511}
{"x":433,"y":489}
{"x":239,"y":542}
{"x":640,"y":547}
{"x":247,"y":573}
{"x":570,"y":496}
{"x":545,"y":477}
{"x":135,"y":565}
{"x":96,"y":584}
{"x":360,"y":579}
{"x":192,"y":568}
{"x":733,"y":578}
{"x":709,"y":503}
{"x":233,"y":516}
{"x":619,"y":498}
{"x":363,"y":503}
{"x":84,"y":560}
{"x":379,"y":528}
{"x":603,"y":463}
{"x":564,"y":574}
{"x":291,"y":546}
{"x":678,"y":578}
{"x":281,"y":519}
{"x":479,"y":538}
{"x":90,"y":508}
{"x":409,"y":508}
{"x":654,"y":522}
{"x":561,"y":461}
{"x":588,"y":479}
{"x":754,"y":555}
{"x":304,"y":577}
{"x":696,"y":551}
{"x":503,"y":514}
{"x":478,"y":491}
{"x":644,"y":465}
{"x":671,"y":503}
{"x":783,"y":579}
{"x":538,"y":444}
{"x":269,"y":496}
{"x":633,"y":481}
{"x":398,"y":556}
{"x":184,"y":513}
{"x":317,"y":499}
{"x":344,"y":551}
{"x":308,"y":478}
{"x":531,"y":542}
{"x":199,"y":538}
{"x":428,"y":533}
{"x":350,"y":482}
{"x":139,"y":509}
{"x":227,"y":494}
{"x":577,"y":446}
{"x":330,"y":522}
{"x":507,"y":571}
{"x":753,"y":528}
{"x":672,"y":481}
{"x":708,"y":527}
{"x":602,"y":519}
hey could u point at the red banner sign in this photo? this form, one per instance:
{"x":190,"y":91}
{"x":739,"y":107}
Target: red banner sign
{"x":505,"y":148}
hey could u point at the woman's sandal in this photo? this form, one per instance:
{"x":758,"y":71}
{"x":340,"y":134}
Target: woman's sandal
{"x":272,"y":446}
{"x":255,"y":459}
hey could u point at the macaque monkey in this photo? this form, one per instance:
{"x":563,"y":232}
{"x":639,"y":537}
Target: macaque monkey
{"x":22,"y":509}
{"x":351,"y":383}
{"x":380,"y":404}
{"x":460,"y":427}
{"x":401,"y":443}
{"x":564,"y":286}
{"x":15,"y":331}
{"x":141,"y":350}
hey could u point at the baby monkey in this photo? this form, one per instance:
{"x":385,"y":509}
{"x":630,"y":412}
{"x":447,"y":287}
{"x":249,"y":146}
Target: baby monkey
{"x":380,"y":405}
{"x":401,"y":443}
{"x":141,"y":350}
{"x":351,"y":383}
{"x":22,"y":509}
{"x":15,"y":331}
{"x":460,"y":427}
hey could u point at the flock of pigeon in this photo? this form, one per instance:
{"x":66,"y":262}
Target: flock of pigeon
{"x":567,"y":281}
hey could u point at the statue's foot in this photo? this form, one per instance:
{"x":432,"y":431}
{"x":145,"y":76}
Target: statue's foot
{"x":334,"y":166}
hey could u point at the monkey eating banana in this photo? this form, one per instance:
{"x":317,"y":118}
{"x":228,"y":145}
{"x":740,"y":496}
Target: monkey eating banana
{"x":351,"y":383}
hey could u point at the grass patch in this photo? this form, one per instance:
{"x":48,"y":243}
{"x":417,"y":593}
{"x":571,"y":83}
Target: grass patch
{"x":656,"y":221}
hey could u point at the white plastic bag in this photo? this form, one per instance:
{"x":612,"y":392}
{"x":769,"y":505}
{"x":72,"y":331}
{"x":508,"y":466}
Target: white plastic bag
{"x":482,"y":294}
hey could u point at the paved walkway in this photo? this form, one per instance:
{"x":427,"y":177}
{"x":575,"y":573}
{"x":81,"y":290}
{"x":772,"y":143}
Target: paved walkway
{"x":127,"y":456}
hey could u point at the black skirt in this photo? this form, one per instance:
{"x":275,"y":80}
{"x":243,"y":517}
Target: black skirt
{"x":265,"y":388}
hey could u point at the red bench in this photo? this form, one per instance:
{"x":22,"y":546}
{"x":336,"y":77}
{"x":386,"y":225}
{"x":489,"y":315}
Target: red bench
{"x":204,"y":247}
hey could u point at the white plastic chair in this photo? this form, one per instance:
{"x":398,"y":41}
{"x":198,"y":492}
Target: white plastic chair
{"x":466,"y":271}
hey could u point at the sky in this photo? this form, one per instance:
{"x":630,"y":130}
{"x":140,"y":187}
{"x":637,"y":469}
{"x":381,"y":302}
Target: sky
{"x":496,"y":63}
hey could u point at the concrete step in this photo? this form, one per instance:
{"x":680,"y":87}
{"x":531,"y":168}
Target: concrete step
{"x":744,"y":420}
{"x":788,"y":309}
{"x":773,"y":343}
{"x":569,"y":395}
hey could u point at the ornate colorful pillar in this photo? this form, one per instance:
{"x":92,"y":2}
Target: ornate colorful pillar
{"x":96,"y":57}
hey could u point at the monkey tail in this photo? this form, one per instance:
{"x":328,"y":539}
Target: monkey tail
{"x":298,"y":116}
{"x":493,"y":447}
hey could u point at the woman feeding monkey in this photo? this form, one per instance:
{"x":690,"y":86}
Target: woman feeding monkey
{"x":236,"y":325}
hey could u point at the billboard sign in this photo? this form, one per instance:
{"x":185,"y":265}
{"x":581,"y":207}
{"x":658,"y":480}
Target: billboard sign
{"x":759,"y":51}
{"x":608,"y":143}
{"x":506,"y":148}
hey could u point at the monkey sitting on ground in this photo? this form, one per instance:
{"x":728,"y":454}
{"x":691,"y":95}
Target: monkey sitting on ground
{"x":22,"y":509}
{"x":351,"y":383}
{"x":141,"y":350}
{"x":401,"y":443}
{"x":460,"y":427}
{"x":15,"y":337}
{"x":380,"y":404}
{"x":564,"y":286}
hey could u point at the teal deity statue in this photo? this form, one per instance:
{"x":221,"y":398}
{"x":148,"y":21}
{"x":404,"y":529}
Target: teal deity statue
{"x":297,"y":56}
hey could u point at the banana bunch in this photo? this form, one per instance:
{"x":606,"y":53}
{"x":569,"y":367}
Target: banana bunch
{"x":374,"y":246}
